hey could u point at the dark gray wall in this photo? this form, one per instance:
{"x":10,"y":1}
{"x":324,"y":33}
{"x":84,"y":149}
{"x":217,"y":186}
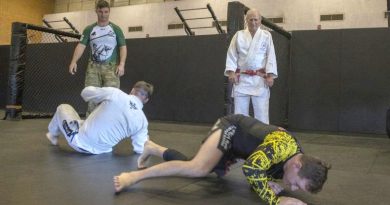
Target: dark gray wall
{"x":314,"y":80}
{"x":47,"y":80}
{"x":340,"y":80}
{"x":365,"y":77}
{"x":187,"y":73}
{"x":4,"y":61}
{"x":278,"y":109}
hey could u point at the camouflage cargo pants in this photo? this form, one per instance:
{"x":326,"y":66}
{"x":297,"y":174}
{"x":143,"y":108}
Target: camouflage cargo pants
{"x":100,"y":75}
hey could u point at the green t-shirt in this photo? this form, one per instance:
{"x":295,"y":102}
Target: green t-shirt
{"x":104,"y":42}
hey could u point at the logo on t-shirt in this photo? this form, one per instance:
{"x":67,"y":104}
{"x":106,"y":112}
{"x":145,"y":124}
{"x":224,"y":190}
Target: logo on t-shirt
{"x":263,"y":46}
{"x":133,"y":106}
{"x":103,"y":42}
{"x":101,"y":52}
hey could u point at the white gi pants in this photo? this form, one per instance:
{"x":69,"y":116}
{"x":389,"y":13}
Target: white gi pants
{"x":260,"y":105}
{"x":67,"y":121}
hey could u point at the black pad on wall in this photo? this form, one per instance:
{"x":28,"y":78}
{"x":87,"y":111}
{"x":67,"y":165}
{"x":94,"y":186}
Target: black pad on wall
{"x":340,"y":80}
{"x":4,"y":63}
{"x":187,"y":73}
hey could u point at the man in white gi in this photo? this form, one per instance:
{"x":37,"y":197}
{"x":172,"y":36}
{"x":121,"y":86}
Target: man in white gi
{"x":119,"y":115}
{"x":251,"y":67}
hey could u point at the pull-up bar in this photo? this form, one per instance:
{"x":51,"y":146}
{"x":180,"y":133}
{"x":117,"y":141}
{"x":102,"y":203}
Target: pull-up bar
{"x":187,"y":29}
{"x":199,"y":18}
{"x":192,"y":9}
{"x":58,"y":37}
{"x":47,"y":23}
{"x":55,"y":21}
{"x":217,"y":25}
{"x":201,"y":27}
{"x":71,"y":25}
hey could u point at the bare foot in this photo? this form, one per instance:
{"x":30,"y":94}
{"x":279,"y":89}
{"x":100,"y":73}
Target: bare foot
{"x":150,"y":148}
{"x":125,"y":179}
{"x":53,"y":139}
{"x":145,"y":154}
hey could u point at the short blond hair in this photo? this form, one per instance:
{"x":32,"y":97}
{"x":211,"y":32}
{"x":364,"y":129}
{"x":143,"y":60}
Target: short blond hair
{"x":147,"y":87}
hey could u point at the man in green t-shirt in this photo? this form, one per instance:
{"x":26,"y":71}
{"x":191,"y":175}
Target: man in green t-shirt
{"x":105,"y":39}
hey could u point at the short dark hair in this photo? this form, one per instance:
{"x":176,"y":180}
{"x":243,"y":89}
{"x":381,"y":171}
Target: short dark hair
{"x":102,"y":4}
{"x":315,"y":171}
{"x":146,"y":87}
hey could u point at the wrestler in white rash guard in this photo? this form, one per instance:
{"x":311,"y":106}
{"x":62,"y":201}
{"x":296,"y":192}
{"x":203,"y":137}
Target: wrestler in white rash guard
{"x":118,"y":116}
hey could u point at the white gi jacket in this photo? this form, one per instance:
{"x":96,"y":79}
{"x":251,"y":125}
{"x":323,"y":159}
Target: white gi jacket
{"x":246,"y":53}
{"x":118,"y":116}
